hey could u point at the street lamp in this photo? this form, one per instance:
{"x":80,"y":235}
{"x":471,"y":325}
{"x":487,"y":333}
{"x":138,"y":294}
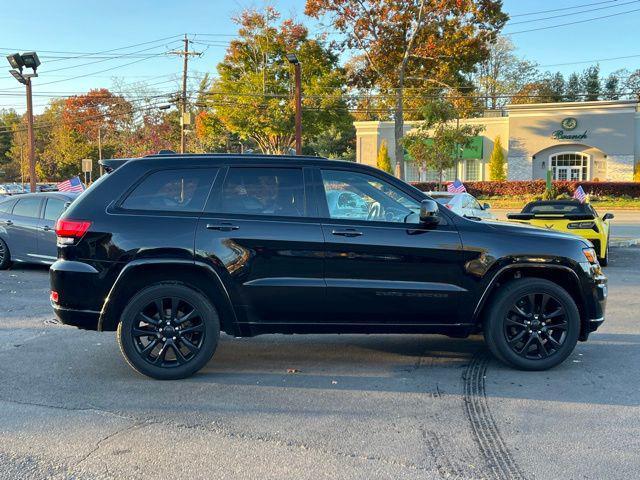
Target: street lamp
{"x":293,"y":60}
{"x":18,"y":62}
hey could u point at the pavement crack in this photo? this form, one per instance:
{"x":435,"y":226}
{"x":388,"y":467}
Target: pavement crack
{"x":110,"y":436}
{"x":68,"y":408}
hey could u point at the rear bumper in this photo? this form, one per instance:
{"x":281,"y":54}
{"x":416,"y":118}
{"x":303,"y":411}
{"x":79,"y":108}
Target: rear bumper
{"x":84,"y":319}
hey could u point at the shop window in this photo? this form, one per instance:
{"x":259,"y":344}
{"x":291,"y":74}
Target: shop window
{"x":472,"y":170}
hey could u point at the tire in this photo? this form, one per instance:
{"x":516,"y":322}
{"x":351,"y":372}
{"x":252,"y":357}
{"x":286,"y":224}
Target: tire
{"x":5,"y":255}
{"x":507,"y":332}
{"x":605,"y":260}
{"x":187,"y":331}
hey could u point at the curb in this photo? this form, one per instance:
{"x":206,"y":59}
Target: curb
{"x":624,"y":242}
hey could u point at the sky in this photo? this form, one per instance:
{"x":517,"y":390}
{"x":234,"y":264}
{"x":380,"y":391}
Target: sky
{"x":72,"y":28}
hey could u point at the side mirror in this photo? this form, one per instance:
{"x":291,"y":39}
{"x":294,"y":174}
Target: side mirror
{"x":608,"y":216}
{"x":486,"y":206}
{"x":429,"y":212}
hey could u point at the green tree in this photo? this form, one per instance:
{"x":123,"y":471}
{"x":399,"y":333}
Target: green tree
{"x":573,"y":88}
{"x":253,"y":95}
{"x":556,"y":86}
{"x":612,"y":87}
{"x":416,"y":43}
{"x":591,"y":83}
{"x":384,"y":162}
{"x":497,"y":162}
{"x":437,"y":143}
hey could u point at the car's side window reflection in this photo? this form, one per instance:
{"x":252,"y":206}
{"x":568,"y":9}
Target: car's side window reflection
{"x":359,"y":196}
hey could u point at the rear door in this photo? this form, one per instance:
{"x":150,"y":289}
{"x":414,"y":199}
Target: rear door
{"x":382,"y":266}
{"x":258,"y":228}
{"x":53,"y":208}
{"x":23,"y":231}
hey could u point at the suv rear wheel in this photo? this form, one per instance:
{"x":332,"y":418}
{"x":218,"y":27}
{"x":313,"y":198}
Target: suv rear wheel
{"x":168,"y":331}
{"x":532,"y":324}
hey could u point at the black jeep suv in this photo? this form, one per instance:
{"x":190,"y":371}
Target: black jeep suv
{"x":171,"y":249}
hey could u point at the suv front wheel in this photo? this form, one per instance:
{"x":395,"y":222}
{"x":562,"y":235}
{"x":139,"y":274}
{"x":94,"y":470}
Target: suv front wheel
{"x":168,"y":331}
{"x":532,"y":324}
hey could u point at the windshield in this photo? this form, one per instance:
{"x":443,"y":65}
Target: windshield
{"x":557,"y":208}
{"x":442,"y":199}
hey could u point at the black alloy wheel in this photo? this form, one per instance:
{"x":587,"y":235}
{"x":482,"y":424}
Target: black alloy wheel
{"x":5,"y":256}
{"x":168,"y":331}
{"x":535,"y":326}
{"x":532,"y":324}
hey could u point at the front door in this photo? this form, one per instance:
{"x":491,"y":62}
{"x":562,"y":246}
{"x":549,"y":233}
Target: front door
{"x":381,"y":265}
{"x":568,"y":173}
{"x":258,"y":228}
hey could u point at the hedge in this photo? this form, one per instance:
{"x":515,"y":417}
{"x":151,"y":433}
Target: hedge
{"x":537,"y":187}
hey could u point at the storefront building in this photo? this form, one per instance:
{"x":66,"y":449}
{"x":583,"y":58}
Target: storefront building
{"x":574,"y":140}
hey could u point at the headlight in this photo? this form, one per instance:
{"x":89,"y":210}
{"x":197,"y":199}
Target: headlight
{"x":581,"y":225}
{"x":590,"y":255}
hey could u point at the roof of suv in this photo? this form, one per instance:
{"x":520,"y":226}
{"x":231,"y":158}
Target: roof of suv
{"x":112,"y":164}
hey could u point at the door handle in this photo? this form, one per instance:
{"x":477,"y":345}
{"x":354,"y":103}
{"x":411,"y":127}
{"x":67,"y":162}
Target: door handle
{"x":47,"y":228}
{"x":347,"y":232}
{"x":9,"y":222}
{"x":223,"y":227}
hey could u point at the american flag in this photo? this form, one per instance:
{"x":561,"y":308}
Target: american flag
{"x":579,"y":194}
{"x":456,"y":187}
{"x":72,"y":185}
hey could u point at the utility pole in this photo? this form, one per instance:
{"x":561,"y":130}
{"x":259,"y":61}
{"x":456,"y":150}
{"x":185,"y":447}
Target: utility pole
{"x":100,"y":149}
{"x":183,"y":101}
{"x":32,"y":142}
{"x":18,"y":63}
{"x":293,"y":60}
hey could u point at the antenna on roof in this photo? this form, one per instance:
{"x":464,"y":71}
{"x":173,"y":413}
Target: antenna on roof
{"x":166,"y":152}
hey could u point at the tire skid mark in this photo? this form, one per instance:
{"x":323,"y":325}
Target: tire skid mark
{"x":444,"y":465}
{"x":486,"y":434}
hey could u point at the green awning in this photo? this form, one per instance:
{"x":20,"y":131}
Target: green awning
{"x":471,"y":152}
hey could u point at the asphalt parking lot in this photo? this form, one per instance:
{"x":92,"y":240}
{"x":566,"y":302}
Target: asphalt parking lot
{"x":358,"y":407}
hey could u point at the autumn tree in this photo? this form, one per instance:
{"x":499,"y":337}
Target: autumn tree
{"x":253,"y":96}
{"x":496,"y":161}
{"x":423,"y":42}
{"x":437,"y":143}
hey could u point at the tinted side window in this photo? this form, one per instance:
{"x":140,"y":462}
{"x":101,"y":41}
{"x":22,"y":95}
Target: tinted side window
{"x":175,"y":190}
{"x":27,"y":207}
{"x":264,"y":191}
{"x":53,"y":209}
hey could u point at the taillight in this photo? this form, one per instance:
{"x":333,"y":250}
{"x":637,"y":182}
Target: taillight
{"x":54,"y":296}
{"x":70,"y":230}
{"x":449,"y":206}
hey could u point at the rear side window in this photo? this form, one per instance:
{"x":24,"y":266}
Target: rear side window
{"x":5,"y":207}
{"x":264,"y":191}
{"x":27,"y":207}
{"x":176,"y":190}
{"x":53,"y":209}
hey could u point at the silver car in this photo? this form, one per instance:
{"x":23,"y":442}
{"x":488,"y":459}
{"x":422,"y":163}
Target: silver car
{"x":464,"y":204}
{"x":27,"y":227}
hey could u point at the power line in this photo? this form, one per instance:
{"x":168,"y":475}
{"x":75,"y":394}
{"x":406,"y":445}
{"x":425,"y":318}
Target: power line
{"x":597,"y":60}
{"x":539,"y":12}
{"x":88,"y":54}
{"x":573,"y":13}
{"x":573,"y":23}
